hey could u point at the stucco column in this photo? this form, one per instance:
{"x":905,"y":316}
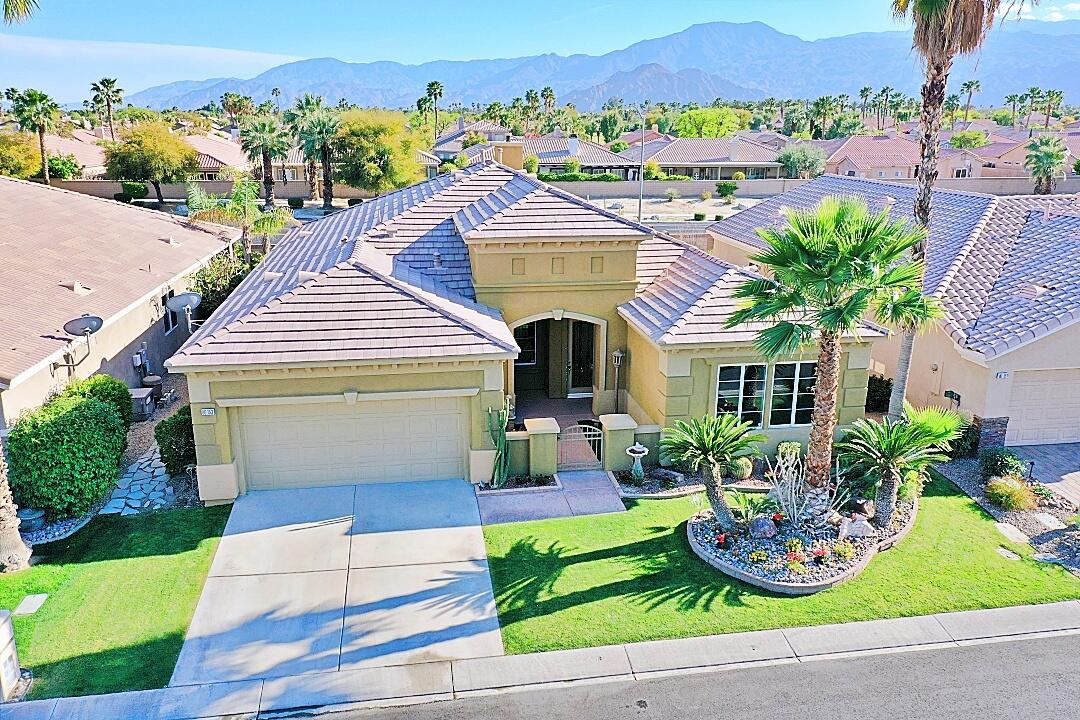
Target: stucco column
{"x":618,"y":435}
{"x":543,"y":445}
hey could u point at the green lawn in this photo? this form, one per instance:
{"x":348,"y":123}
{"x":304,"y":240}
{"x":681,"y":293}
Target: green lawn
{"x":578,"y":582}
{"x":121,"y":595}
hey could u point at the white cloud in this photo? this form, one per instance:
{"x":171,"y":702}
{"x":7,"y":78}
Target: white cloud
{"x":1072,"y":7}
{"x":65,"y":68}
{"x":1053,"y":14}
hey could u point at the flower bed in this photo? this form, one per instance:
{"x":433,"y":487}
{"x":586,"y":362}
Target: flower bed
{"x":522,"y":482}
{"x":667,"y":483}
{"x":793,"y":562}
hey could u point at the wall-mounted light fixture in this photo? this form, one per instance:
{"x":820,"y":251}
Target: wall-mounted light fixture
{"x":954,"y":396}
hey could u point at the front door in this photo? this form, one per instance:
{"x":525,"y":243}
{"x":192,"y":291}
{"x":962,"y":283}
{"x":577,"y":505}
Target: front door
{"x":580,"y":361}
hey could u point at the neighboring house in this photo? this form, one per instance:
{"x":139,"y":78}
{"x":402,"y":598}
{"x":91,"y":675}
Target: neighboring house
{"x":429,"y":162}
{"x":448,"y":145}
{"x":216,"y":154}
{"x":1017,"y":156}
{"x":1007,"y":270}
{"x":709,"y":158}
{"x":635,"y":137}
{"x":83,"y":145}
{"x":64,"y":254}
{"x":372,"y":345}
{"x":775,"y":140}
{"x":872,"y":156}
{"x":553,"y":152}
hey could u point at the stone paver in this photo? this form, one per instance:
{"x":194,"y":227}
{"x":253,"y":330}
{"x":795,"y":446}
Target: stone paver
{"x":1056,"y":466}
{"x":31,"y":604}
{"x":1012,"y":532}
{"x":143,"y":486}
{"x":584,"y":492}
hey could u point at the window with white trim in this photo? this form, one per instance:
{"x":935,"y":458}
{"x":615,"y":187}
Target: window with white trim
{"x":525,"y":335}
{"x":170,"y":319}
{"x":793,"y":393}
{"x":740,"y":391}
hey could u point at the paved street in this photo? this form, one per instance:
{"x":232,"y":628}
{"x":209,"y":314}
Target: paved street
{"x":1015,"y":680}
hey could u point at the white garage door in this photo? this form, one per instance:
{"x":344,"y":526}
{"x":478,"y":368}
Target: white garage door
{"x":367,"y":442}
{"x":1044,"y":407}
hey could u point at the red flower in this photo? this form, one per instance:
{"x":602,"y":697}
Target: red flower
{"x":796,"y":557}
{"x":777,"y":517}
{"x":820,"y":552}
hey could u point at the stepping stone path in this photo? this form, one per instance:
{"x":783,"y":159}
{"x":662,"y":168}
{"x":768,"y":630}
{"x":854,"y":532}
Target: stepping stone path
{"x":1012,"y":532}
{"x":1049,"y":521}
{"x":143,"y":486}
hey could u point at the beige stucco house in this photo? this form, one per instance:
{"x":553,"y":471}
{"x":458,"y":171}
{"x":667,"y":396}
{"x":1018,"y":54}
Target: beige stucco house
{"x":1007,"y":270}
{"x":371,"y":345}
{"x":65,"y":254}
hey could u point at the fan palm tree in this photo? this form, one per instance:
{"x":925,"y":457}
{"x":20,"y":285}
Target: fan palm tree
{"x":969,"y":88}
{"x":1034,"y":97}
{"x":18,"y":10}
{"x":35,"y":111}
{"x":1052,"y":98}
{"x":263,"y":139}
{"x":548,"y":96}
{"x":1045,"y":160}
{"x":1012,"y":101}
{"x":532,"y":107}
{"x":240,"y":209}
{"x":951,"y":106}
{"x":109,"y":94}
{"x":317,"y":137}
{"x":423,"y":106}
{"x":864,"y":98}
{"x":832,"y":265}
{"x":891,"y":450}
{"x":710,"y":444}
{"x":296,"y":119}
{"x":943,"y":29}
{"x":14,"y":552}
{"x":434,"y":91}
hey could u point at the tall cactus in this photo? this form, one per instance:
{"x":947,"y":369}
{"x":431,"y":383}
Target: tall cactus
{"x":496,"y":422}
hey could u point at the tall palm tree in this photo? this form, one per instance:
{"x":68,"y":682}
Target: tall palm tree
{"x":943,"y":29}
{"x":886,"y":93}
{"x":434,"y":91}
{"x":969,"y":88}
{"x":423,"y":106}
{"x":263,"y":139}
{"x":240,"y":209}
{"x":1045,"y":160}
{"x":1012,"y":101}
{"x":830,"y":266}
{"x":950,"y":107}
{"x":316,"y":138}
{"x":532,"y":106}
{"x":1034,"y":97}
{"x":1053,"y":98}
{"x":864,"y":97}
{"x":14,"y":553}
{"x":710,"y":444}
{"x":548,"y":96}
{"x":296,"y":118}
{"x":110,"y":95}
{"x":37,"y":112}
{"x":276,"y":94}
{"x":891,"y":450}
{"x":18,"y":10}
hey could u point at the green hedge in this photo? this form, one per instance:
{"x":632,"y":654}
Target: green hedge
{"x":63,"y":457}
{"x":107,"y":389}
{"x":136,"y":190}
{"x":578,"y":177}
{"x":176,"y":438}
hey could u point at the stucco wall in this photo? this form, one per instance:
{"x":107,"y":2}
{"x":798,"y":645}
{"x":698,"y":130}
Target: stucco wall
{"x":686,"y":189}
{"x":177,"y":191}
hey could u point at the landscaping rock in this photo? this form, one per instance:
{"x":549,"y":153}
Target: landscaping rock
{"x":762,"y":527}
{"x":1049,"y":521}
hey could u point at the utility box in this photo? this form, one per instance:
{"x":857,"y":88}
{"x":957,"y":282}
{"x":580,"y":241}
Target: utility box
{"x":9,"y":658}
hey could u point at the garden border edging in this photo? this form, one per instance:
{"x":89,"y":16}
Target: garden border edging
{"x":787,"y":588}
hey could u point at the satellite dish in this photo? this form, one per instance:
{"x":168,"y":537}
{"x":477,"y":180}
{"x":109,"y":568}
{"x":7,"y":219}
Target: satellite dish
{"x":85,"y":325}
{"x":184,"y":301}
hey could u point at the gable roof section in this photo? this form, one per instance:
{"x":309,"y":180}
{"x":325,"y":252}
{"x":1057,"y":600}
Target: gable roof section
{"x":872,"y":151}
{"x":555,"y":150}
{"x":734,"y":149}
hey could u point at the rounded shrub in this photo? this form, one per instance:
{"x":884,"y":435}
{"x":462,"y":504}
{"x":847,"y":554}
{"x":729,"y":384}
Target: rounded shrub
{"x":136,"y":190}
{"x":296,"y":203}
{"x":176,"y":438}
{"x":355,"y":201}
{"x":999,"y":461}
{"x":699,"y":216}
{"x":718,"y":218}
{"x":1011,"y":493}
{"x":63,"y":457}
{"x":107,"y":389}
{"x":122,"y":197}
{"x":741,"y":468}
{"x":530,"y":164}
{"x":738,"y":175}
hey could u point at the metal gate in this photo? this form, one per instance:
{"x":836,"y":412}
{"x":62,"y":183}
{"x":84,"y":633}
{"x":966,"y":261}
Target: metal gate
{"x":581,"y":447}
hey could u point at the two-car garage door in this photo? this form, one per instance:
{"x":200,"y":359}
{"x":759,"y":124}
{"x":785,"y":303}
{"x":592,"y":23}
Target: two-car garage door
{"x":365,"y":442}
{"x":1044,"y":407}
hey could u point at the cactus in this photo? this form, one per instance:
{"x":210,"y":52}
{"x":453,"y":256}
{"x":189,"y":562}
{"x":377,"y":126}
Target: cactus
{"x":496,"y":422}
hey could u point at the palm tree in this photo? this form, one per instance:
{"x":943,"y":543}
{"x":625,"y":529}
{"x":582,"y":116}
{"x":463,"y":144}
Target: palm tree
{"x":423,"y":106}
{"x":276,"y":94}
{"x":1012,"y":101}
{"x":969,"y":88}
{"x":1052,"y":98}
{"x":891,"y":450}
{"x":434,"y":91}
{"x":886,"y":93}
{"x":951,"y":106}
{"x":18,"y":10}
{"x":831,"y":265}
{"x":1034,"y":97}
{"x":109,"y":94}
{"x":264,"y":139}
{"x":532,"y":106}
{"x":710,"y":444}
{"x":864,"y":97}
{"x":35,"y":111}
{"x":316,"y":138}
{"x":548,"y":96}
{"x":943,"y":29}
{"x":14,"y":552}
{"x":296,"y":119}
{"x":1045,"y":160}
{"x":241,"y":209}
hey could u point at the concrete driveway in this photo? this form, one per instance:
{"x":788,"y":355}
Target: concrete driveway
{"x":338,"y":578}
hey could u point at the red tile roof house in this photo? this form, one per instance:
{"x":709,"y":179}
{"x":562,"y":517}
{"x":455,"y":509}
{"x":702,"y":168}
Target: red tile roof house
{"x":888,"y":157}
{"x":553,"y":152}
{"x":1007,"y":270}
{"x":448,"y":145}
{"x":636,"y":137}
{"x":64,"y":254}
{"x":708,"y":158}
{"x":371,"y":344}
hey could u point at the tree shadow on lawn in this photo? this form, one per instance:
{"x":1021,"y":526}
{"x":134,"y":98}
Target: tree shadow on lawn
{"x":657,"y":571}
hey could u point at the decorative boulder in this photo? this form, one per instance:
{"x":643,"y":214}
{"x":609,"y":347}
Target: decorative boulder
{"x":762,"y":527}
{"x":863,"y":506}
{"x":856,"y":527}
{"x":667,"y":476}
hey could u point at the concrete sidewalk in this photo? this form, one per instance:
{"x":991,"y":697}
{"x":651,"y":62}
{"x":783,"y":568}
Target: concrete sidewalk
{"x":429,"y":682}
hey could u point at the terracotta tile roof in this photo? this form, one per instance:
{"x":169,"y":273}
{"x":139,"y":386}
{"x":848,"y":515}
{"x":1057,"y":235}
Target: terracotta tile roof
{"x":555,"y":150}
{"x":735,"y":150}
{"x":1006,"y":272}
{"x":226,"y":152}
{"x":867,"y":152}
{"x":995,"y":149}
{"x":82,"y":145}
{"x":633,"y":137}
{"x":51,"y":238}
{"x":450,"y":141}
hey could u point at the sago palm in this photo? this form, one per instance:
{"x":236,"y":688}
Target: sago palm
{"x":831,"y":266}
{"x":316,"y":138}
{"x":942,"y":29}
{"x":710,"y":444}
{"x":264,"y":139}
{"x":890,"y":450}
{"x":1045,"y":160}
{"x":37,"y":112}
{"x":240,"y":210}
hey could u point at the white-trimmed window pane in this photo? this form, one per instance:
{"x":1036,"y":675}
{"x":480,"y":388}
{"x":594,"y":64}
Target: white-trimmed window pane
{"x":740,"y":391}
{"x":793,"y":393}
{"x":525,"y":335}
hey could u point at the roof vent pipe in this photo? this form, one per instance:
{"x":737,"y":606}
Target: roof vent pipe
{"x":436,"y":259}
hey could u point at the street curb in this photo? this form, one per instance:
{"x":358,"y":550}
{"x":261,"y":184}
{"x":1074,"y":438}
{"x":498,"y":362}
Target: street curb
{"x":629,"y":662}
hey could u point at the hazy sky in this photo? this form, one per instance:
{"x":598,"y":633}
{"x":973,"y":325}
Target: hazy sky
{"x":68,"y":43}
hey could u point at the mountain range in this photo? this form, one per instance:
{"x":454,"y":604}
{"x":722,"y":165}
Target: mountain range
{"x":741,"y":61}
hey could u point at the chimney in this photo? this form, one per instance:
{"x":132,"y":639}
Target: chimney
{"x":461,"y":122}
{"x":733,"y":149}
{"x":557,"y":132}
{"x":573,"y":145}
{"x":655,"y":128}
